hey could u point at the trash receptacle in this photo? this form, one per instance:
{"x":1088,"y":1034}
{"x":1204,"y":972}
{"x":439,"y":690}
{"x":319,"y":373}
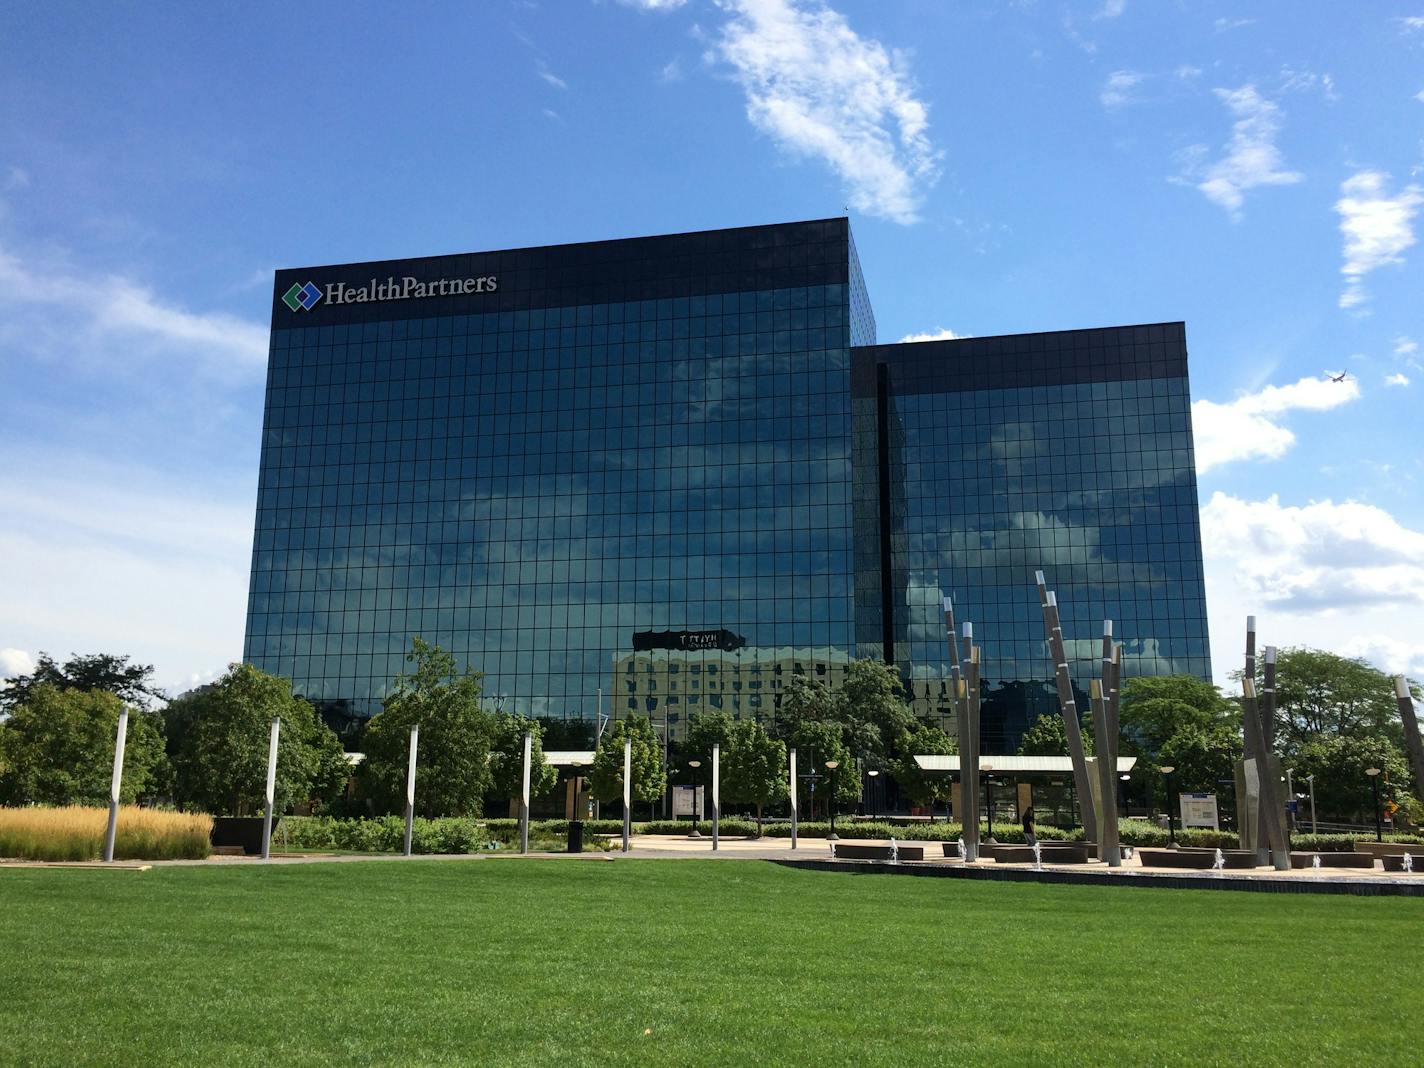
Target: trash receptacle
{"x":575,"y":836}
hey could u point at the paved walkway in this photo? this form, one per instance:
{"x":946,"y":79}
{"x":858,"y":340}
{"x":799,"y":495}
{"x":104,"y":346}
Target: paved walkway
{"x":816,"y":853}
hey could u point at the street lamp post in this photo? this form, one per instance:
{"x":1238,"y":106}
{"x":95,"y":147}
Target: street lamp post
{"x":1167,"y":770}
{"x":831,"y":766}
{"x":1290,"y":793}
{"x":1311,"y":779}
{"x":1123,"y":779}
{"x":696,"y":808}
{"x":873,"y":772}
{"x":1373,"y":773}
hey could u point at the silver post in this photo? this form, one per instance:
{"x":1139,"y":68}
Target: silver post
{"x":793,"y":797}
{"x":115,"y":783}
{"x":627,"y":791}
{"x":716,"y":792}
{"x":410,"y":788}
{"x":271,"y":787}
{"x":524,"y":795}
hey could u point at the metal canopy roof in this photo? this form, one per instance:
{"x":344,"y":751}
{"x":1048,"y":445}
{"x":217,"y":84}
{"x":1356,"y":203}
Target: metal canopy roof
{"x":563,"y":758}
{"x":1013,"y":765}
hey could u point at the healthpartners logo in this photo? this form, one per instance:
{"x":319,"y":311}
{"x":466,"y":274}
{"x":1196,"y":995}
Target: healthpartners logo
{"x":301,"y":297}
{"x":304,"y":296}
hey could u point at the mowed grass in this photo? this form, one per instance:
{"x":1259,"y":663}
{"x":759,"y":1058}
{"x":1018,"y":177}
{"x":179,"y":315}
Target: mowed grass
{"x":503,"y":961}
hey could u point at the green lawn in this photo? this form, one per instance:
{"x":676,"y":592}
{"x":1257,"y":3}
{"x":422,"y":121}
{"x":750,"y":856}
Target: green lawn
{"x":502,"y":961}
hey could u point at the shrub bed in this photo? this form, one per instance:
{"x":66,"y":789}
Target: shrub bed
{"x":76,"y":832}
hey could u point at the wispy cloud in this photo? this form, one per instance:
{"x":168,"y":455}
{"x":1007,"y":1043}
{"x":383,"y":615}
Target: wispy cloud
{"x":653,"y":5}
{"x":1252,"y":426}
{"x":542,"y":69}
{"x":1377,"y":228}
{"x":1396,"y":380}
{"x":941,"y":333}
{"x":1250,"y":158}
{"x":820,"y":90}
{"x":1224,"y":24}
{"x":671,"y":71}
{"x":114,"y":307}
{"x":1117,"y":90}
{"x":1111,"y":9}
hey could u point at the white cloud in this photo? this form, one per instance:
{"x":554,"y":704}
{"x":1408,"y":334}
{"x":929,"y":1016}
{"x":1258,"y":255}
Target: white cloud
{"x":1251,"y":427}
{"x":124,"y":561}
{"x":1223,"y":24}
{"x":1419,"y":96}
{"x":1251,"y":157}
{"x":941,"y":333}
{"x":1411,"y":22}
{"x":653,"y":5}
{"x":1377,"y":228}
{"x":549,"y":76}
{"x":118,"y":309}
{"x":1117,"y":90}
{"x":15,"y":662}
{"x":820,"y":90}
{"x":1347,"y":577}
{"x":1111,"y":9}
{"x":672,"y":72}
{"x":1405,"y":346}
{"x":15,"y":178}
{"x":1187,"y":72}
{"x":1396,"y":380}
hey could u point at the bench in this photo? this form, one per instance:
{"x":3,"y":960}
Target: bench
{"x":1054,"y":853}
{"x":1333,"y":860}
{"x":1199,"y":859}
{"x":1396,"y":863}
{"x":876,"y":851}
{"x":1390,"y":849}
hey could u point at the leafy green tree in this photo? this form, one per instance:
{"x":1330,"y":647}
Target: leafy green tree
{"x":804,"y":700}
{"x":1047,"y":737}
{"x":754,"y":767}
{"x":876,"y":716}
{"x":1342,"y":789}
{"x":704,"y":730}
{"x":57,"y":748}
{"x":605,"y":777}
{"x":453,"y":771}
{"x":1183,"y":721}
{"x":922,"y":789}
{"x":507,"y":758}
{"x":130,"y":683}
{"x":815,"y":744}
{"x":220,"y":763}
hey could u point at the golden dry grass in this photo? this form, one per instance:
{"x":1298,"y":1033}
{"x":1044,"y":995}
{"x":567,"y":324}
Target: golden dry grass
{"x":75,"y":832}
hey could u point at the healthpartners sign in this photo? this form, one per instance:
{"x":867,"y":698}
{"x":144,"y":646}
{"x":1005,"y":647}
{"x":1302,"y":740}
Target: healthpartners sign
{"x":304,"y":296}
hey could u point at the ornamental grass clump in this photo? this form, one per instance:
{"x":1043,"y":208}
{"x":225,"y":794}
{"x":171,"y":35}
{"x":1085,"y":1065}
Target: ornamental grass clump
{"x":75,"y":832}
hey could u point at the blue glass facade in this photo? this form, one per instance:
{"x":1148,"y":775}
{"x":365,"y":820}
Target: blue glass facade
{"x":589,"y":447}
{"x":987,"y":459}
{"x":678,"y":470}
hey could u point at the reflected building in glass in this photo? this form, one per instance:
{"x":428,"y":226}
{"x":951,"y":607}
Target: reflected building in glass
{"x":677,"y":470}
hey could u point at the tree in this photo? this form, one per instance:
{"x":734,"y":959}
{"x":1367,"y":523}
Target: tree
{"x":1183,"y":721}
{"x":130,"y":683}
{"x":704,"y":730}
{"x":755,"y":767}
{"x":805,"y":700}
{"x":453,"y":771}
{"x":922,"y":789}
{"x":220,"y":762}
{"x":507,"y":757}
{"x":1047,"y":737}
{"x":815,"y":744}
{"x":877,"y":718}
{"x":605,"y":777}
{"x":57,"y":748}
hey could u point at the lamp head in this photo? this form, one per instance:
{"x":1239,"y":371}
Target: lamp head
{"x":1167,"y":769}
{"x":1372,"y":772}
{"x":831,"y":765}
{"x":694,"y":763}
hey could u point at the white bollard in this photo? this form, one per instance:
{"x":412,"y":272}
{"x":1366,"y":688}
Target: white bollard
{"x":410,"y":788}
{"x":627,"y":791}
{"x":524,"y":796}
{"x":716,"y":792}
{"x":271,"y":787}
{"x":115,"y":783}
{"x":793,"y":798}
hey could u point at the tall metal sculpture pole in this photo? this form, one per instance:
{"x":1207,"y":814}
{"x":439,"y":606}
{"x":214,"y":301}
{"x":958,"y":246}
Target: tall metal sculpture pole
{"x":1102,"y":695}
{"x":1268,"y":771}
{"x":1412,"y":741}
{"x":627,"y":791}
{"x":1068,"y":706}
{"x":954,"y":655}
{"x":793,"y":797}
{"x":116,"y":781}
{"x":1249,"y":808}
{"x":271,"y":786}
{"x":410,"y":788}
{"x":969,"y":746}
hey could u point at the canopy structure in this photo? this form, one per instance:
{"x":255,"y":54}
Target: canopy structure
{"x":1011,"y":765}
{"x":567,"y":758}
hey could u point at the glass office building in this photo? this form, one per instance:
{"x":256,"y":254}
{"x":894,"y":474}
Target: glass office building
{"x":676,"y":471}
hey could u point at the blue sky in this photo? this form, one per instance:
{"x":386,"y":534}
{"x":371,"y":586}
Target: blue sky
{"x":1257,"y":170}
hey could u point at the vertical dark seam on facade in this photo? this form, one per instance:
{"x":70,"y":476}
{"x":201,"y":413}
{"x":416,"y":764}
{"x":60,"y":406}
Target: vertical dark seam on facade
{"x":882,"y":442}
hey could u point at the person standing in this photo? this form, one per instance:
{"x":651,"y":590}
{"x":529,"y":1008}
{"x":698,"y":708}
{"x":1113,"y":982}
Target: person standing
{"x":1029,"y":837}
